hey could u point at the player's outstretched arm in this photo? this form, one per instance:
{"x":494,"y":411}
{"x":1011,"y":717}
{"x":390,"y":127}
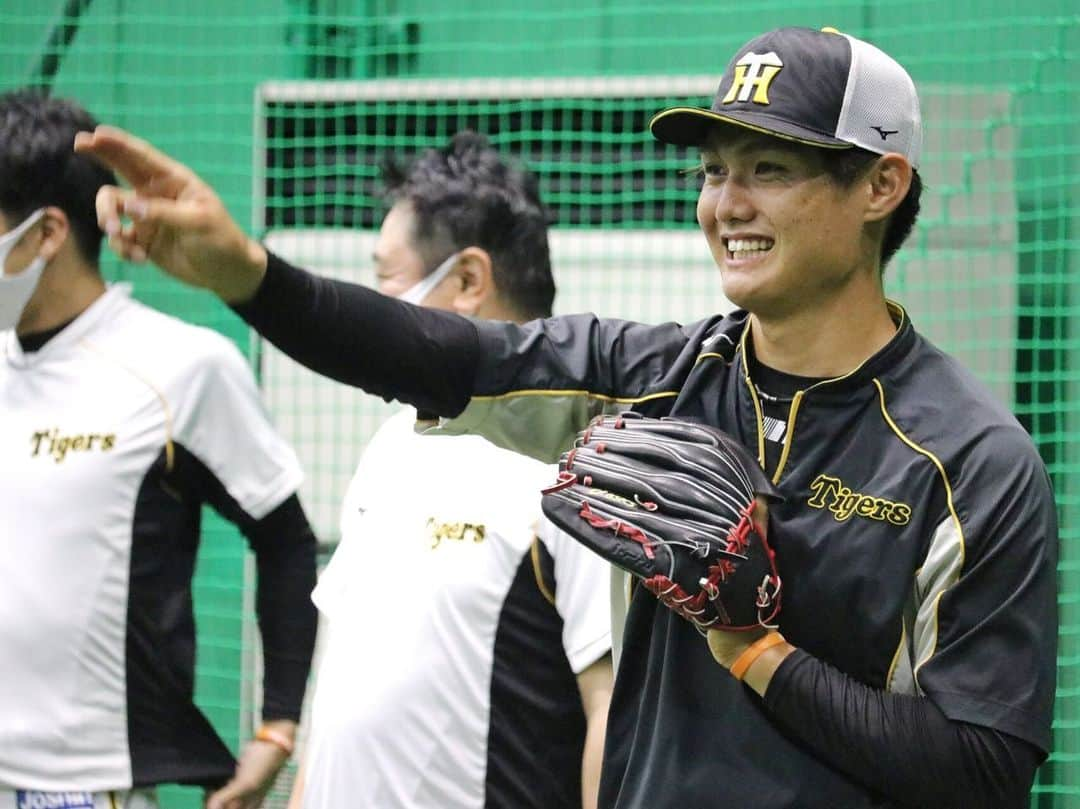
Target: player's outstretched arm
{"x":173,"y":218}
{"x":342,"y":331}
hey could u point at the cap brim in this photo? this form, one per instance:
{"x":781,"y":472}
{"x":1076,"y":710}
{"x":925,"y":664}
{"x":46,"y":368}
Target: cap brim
{"x":690,"y":126}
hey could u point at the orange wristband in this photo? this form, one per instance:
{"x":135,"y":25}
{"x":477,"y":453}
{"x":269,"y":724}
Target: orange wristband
{"x":752,"y":652}
{"x":265,"y":734}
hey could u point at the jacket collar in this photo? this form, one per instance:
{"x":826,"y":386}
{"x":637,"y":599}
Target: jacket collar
{"x":860,"y":376}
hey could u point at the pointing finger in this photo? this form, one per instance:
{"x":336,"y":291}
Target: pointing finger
{"x":134,"y":159}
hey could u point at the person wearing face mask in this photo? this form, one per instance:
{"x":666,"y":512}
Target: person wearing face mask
{"x":118,"y":424}
{"x":16,"y":290}
{"x":472,"y":668}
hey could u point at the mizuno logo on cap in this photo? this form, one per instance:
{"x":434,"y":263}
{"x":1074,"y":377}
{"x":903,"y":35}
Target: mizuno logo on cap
{"x":754,"y":73}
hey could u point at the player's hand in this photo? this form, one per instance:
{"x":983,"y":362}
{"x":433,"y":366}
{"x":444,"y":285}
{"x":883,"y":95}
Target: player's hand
{"x":171,"y":217}
{"x":256,"y":770}
{"x":727,"y":646}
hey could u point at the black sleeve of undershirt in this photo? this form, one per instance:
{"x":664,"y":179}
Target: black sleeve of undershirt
{"x":355,"y":335}
{"x":900,"y":746}
{"x":284,"y":547}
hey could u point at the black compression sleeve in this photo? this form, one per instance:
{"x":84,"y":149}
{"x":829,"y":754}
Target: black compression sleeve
{"x":902,"y":747}
{"x":284,"y":548}
{"x":347,"y":332}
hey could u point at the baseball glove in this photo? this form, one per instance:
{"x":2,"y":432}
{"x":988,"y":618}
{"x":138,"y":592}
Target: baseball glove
{"x":671,"y":502}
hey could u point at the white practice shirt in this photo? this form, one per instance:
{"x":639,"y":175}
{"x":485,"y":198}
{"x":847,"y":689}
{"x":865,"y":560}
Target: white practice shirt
{"x":453,"y":636}
{"x":96,"y":553}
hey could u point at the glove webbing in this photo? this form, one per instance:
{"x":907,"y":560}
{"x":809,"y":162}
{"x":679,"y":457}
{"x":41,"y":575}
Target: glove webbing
{"x":693,"y":607}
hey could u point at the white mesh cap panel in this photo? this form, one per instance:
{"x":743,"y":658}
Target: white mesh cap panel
{"x":881,"y":107}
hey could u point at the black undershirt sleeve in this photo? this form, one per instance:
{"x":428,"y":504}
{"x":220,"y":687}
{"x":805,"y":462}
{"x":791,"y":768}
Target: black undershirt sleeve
{"x":900,"y":746}
{"x":355,"y":335}
{"x":284,"y":547}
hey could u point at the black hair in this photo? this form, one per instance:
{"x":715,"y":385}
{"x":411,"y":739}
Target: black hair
{"x":38,"y":166}
{"x":845,"y":166}
{"x":465,"y":194}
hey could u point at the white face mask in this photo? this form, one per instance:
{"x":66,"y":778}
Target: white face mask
{"x":417,"y":292}
{"x":16,"y":290}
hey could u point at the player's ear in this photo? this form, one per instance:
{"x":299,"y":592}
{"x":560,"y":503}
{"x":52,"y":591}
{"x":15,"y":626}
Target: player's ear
{"x":56,"y":228}
{"x":476,"y":287}
{"x":887,"y":183}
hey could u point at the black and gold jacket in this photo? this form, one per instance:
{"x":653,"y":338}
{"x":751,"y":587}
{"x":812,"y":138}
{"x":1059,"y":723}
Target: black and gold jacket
{"x":917,"y":540}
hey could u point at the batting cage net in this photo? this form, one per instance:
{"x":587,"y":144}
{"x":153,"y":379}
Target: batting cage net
{"x":287,"y":108}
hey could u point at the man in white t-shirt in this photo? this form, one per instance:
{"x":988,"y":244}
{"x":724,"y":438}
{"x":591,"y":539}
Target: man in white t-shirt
{"x":117,"y":423}
{"x":466,"y":647}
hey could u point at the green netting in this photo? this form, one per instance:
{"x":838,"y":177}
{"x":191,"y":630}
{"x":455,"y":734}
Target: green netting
{"x":285,"y":107}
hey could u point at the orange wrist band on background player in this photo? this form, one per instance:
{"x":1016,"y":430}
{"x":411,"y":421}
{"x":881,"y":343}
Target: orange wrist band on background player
{"x":265,"y":734}
{"x":752,"y":652}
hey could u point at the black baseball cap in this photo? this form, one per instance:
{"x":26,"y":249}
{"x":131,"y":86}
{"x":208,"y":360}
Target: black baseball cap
{"x":821,"y":88}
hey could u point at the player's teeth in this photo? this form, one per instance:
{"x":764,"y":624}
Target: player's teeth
{"x":744,"y":245}
{"x":748,"y":248}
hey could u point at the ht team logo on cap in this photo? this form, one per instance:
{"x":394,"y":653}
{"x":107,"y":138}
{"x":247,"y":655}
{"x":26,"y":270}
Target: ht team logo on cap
{"x":836,"y":92}
{"x":754,"y":71}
